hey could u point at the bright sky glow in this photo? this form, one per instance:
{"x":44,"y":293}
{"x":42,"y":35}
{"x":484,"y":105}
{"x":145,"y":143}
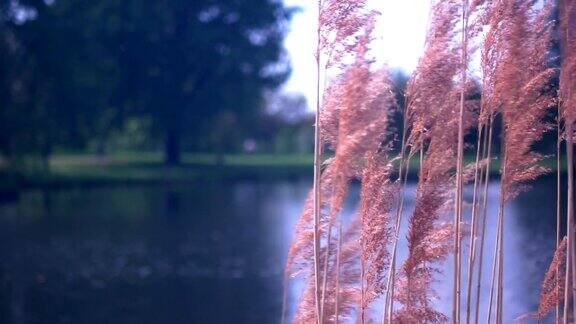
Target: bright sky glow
{"x":400,"y":36}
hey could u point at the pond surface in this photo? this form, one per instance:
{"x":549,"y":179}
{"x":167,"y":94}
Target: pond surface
{"x":199,"y":253}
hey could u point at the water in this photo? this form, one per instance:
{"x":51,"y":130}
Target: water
{"x":197,"y":253}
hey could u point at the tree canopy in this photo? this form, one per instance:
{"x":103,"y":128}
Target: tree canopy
{"x":72,"y":71}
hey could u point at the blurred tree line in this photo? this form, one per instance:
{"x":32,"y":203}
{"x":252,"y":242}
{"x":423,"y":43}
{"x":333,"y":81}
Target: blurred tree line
{"x":172,"y":74}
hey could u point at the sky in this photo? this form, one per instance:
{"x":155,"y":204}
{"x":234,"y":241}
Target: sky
{"x":400,"y":36}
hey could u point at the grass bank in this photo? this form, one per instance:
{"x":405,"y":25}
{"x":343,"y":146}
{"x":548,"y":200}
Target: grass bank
{"x":142,"y":167}
{"x":137,"y":168}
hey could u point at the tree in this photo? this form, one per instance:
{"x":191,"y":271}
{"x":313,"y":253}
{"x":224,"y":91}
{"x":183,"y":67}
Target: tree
{"x":186,"y":62}
{"x":58,"y":76}
{"x":71,"y":68}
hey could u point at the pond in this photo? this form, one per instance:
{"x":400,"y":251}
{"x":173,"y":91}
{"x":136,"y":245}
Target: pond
{"x":209,"y":252}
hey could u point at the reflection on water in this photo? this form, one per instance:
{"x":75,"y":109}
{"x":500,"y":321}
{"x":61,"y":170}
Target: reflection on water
{"x":203,"y":253}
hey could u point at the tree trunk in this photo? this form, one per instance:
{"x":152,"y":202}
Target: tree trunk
{"x":172,"y":154}
{"x":45,"y":153}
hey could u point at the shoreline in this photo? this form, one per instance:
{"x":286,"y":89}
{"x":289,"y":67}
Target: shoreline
{"x":84,"y":170}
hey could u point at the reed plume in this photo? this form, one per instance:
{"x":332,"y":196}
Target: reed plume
{"x":378,"y":196}
{"x":306,"y":311}
{"x":471,"y":21}
{"x":568,"y":59}
{"x":341,"y":299}
{"x":363,"y":256}
{"x":353,"y":121}
{"x":301,"y":252}
{"x":552,"y":293}
{"x":443,"y":62}
{"x":363,"y":100}
{"x":489,"y":107}
{"x":434,"y":122}
{"x":339,"y":23}
{"x":521,"y":86}
{"x":524,"y":89}
{"x":430,"y":238}
{"x":432,"y":77}
{"x":567,"y":10}
{"x":485,"y":16}
{"x":346,"y":271}
{"x":347,"y":297}
{"x":490,"y":61}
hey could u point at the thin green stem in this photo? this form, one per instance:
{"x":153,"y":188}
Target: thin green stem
{"x":558,"y":210}
{"x":317,"y":183}
{"x":570,"y":273}
{"x":499,"y":294}
{"x":484,"y":217}
{"x":284,"y":298}
{"x":389,"y":299}
{"x":337,"y":292}
{"x":495,"y":262}
{"x":326,"y":262}
{"x":472,"y":250}
{"x":459,"y":170}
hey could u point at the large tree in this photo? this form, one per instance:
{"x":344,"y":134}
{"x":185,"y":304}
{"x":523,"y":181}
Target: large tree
{"x":70,"y":67}
{"x":185,"y":62}
{"x":58,"y":74}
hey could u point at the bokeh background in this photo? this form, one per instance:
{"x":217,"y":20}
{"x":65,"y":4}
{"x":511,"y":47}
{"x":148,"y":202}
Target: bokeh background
{"x":156,"y":154}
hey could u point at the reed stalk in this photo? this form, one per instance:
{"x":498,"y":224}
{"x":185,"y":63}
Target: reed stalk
{"x":570,"y":207}
{"x":317,"y":183}
{"x":325,"y":270}
{"x":389,"y":298}
{"x":568,"y":113}
{"x":472,"y":249}
{"x":499,"y":294}
{"x":337,"y":292}
{"x":569,"y":281}
{"x":570,"y":195}
{"x":558,"y":211}
{"x":338,"y":260}
{"x":497,"y":278}
{"x":459,"y":169}
{"x":362,"y":279}
{"x":284,"y":298}
{"x":495,"y":266}
{"x":484,"y":216}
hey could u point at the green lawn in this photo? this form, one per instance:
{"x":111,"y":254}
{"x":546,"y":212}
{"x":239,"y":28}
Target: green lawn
{"x":149,"y":166}
{"x":144,"y":167}
{"x":202,"y":159}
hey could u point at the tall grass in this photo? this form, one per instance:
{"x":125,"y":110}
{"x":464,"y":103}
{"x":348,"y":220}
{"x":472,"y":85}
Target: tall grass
{"x":567,"y":15}
{"x":348,"y":265}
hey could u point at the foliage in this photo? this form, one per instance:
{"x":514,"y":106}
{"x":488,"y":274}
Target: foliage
{"x":73,"y":70}
{"x":442,"y":103}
